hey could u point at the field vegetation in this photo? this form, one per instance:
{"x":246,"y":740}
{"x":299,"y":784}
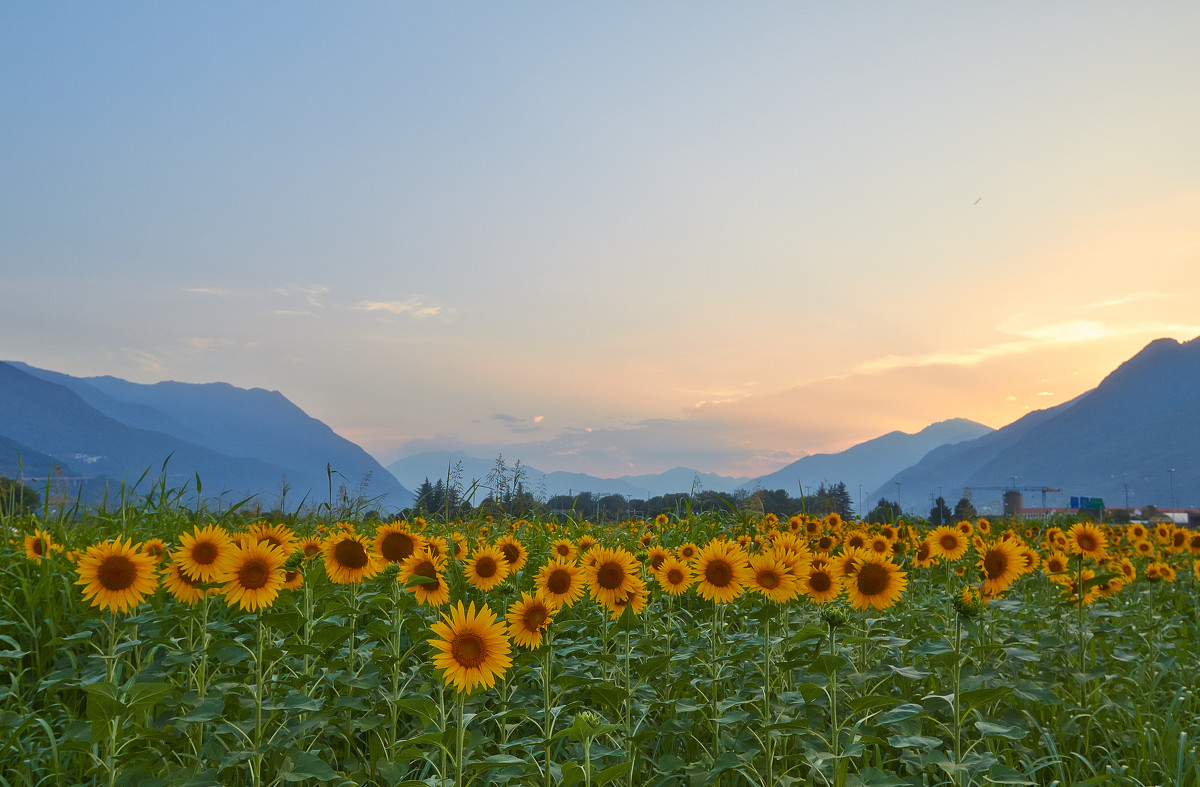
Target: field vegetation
{"x":151,"y":643}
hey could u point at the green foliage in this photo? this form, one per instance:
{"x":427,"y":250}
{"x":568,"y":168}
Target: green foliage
{"x":17,"y":498}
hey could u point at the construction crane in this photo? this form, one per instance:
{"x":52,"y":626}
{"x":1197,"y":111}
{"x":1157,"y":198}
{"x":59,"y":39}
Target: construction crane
{"x":1042,"y":489}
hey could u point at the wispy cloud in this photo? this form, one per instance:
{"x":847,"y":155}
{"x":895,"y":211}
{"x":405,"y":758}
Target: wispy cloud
{"x":216,"y":292}
{"x":1135,"y":297}
{"x":310,"y":293}
{"x":202,"y":344}
{"x":1034,"y":337}
{"x":416,"y":307}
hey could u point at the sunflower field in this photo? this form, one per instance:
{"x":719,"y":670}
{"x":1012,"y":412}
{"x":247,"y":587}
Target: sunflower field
{"x":158,"y":645}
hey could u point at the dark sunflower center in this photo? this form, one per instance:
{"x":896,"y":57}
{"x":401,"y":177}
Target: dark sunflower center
{"x":923,"y":551}
{"x":687,"y":554}
{"x":535,"y":617}
{"x":350,"y":554}
{"x":873,"y":579}
{"x":718,"y":573}
{"x":426,"y":569}
{"x":820,"y":581}
{"x":856,"y":541}
{"x":768,"y":579}
{"x":511,"y":553}
{"x":656,"y":561}
{"x":948,"y":542}
{"x":559,"y":581}
{"x":675,"y":577}
{"x":254,"y":574}
{"x":185,"y":579}
{"x":610,"y":576}
{"x":995,"y":563}
{"x":204,"y":553}
{"x":825,"y":543}
{"x":485,"y":567}
{"x":562,"y":549}
{"x":290,"y":576}
{"x":468,"y":650}
{"x":311,"y":549}
{"x":117,"y":572}
{"x":39,"y":546}
{"x":396,"y":546}
{"x":1086,"y":541}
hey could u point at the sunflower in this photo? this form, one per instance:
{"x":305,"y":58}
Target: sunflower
{"x":635,"y":599}
{"x":1126,"y":568}
{"x":276,"y":535}
{"x":292,"y":580}
{"x":586,"y":542}
{"x":949,"y":543}
{"x":1179,"y":541}
{"x":655,"y":556}
{"x":116,"y":575}
{"x":528,"y":619}
{"x":514,"y":552}
{"x":181,"y":587}
{"x":310,"y":546}
{"x":472,"y":648}
{"x":564,"y":549}
{"x":1086,"y":539}
{"x":349,"y":560}
{"x":821,"y":584}
{"x":1194,"y":543}
{"x":155,"y":548}
{"x":1057,"y":563}
{"x":1196,"y":569}
{"x":856,"y":539}
{"x":1160,"y":572}
{"x":675,"y":576}
{"x":877,"y":583}
{"x":687,"y":552}
{"x":1070,"y":586}
{"x":825,"y":544}
{"x":847,"y":563}
{"x":433,"y":591}
{"x":925,"y":556}
{"x":772,"y":578}
{"x":395,"y":543}
{"x":560,"y":582}
{"x":255,"y":576}
{"x":1000,"y":563}
{"x":38,"y":545}
{"x":1136,"y":532}
{"x":487,"y":568}
{"x":723,"y":570}
{"x":205,"y":555}
{"x":1143,"y":547}
{"x":437,"y":546}
{"x":611,"y":575}
{"x":880,"y":545}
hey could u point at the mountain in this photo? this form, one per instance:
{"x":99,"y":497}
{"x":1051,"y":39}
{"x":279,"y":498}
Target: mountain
{"x":869,"y":464}
{"x":246,"y":442}
{"x":1125,"y":436}
{"x":413,"y":470}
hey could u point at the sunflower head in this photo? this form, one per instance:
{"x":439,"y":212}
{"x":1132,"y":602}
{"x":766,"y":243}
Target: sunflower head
{"x":116,"y":575}
{"x":349,"y":559}
{"x":722,"y":571}
{"x":528,"y":619}
{"x":560,"y":582}
{"x":256,"y":575}
{"x":487,"y":568}
{"x":471,"y":648}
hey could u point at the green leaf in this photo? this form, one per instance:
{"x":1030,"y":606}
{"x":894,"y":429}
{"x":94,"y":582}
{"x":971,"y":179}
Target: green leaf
{"x":103,"y":704}
{"x":828,"y":663}
{"x":610,"y":773}
{"x":1000,"y":730}
{"x":976,"y":697}
{"x":209,"y":709}
{"x":301,"y":765}
{"x":909,"y":672}
{"x":873,"y":701}
{"x":913,"y":742}
{"x":571,"y":774}
{"x":873,"y":777}
{"x":298,"y":701}
{"x":899,"y":713}
{"x":144,"y":696}
{"x":1003,"y":774}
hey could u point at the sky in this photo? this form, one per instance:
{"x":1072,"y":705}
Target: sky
{"x":612,"y":238}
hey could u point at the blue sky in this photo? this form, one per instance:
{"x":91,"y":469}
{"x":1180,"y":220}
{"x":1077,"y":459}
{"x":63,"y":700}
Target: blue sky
{"x":614,"y":238}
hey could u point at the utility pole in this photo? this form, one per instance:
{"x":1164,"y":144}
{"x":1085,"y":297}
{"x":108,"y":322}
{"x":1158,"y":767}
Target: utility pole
{"x":1171,"y":475}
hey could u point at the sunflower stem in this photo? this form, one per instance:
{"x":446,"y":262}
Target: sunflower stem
{"x":256,"y":761}
{"x":957,"y":701}
{"x":767,"y":697}
{"x":547,"y":719}
{"x":458,"y":745}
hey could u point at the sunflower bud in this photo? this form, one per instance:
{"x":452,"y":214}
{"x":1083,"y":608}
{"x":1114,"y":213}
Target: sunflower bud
{"x":834,"y":616}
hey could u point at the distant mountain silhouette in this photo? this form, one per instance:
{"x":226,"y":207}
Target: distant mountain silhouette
{"x":241,"y":441}
{"x":413,"y":470}
{"x":870,"y":463}
{"x":1126,"y":434}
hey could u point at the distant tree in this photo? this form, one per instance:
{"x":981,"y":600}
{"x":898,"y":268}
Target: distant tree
{"x":17,"y":498}
{"x":940,"y":514}
{"x":885,"y":511}
{"x":965,"y":509}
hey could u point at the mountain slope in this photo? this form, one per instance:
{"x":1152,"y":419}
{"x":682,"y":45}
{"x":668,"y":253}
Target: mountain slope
{"x":245,"y":441}
{"x":1139,"y":423}
{"x":870,"y":463}
{"x":413,"y":470}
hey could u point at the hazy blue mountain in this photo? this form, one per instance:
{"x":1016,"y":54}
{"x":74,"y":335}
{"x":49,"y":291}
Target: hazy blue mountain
{"x":413,"y":470}
{"x":1126,"y":434}
{"x":871,"y":463}
{"x":242,"y":441}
